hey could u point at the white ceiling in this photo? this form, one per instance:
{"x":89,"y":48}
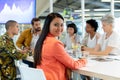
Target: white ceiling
{"x":92,"y":6}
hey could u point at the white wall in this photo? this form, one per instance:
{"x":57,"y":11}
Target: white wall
{"x":41,"y":6}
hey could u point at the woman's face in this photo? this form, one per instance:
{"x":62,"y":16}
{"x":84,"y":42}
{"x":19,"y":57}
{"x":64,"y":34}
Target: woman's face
{"x":70,"y":30}
{"x":89,"y":28}
{"x":106,"y":27}
{"x":56,"y":27}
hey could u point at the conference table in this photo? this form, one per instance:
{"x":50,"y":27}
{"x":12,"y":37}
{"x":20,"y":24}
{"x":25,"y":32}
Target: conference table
{"x":103,"y":67}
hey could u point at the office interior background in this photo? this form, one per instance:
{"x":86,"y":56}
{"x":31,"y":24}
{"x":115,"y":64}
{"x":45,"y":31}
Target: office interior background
{"x":77,"y":11}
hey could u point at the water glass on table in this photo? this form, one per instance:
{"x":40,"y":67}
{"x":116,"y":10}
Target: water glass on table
{"x":76,"y":50}
{"x":85,"y":54}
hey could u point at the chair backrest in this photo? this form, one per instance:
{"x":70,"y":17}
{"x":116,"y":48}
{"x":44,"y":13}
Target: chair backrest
{"x":28,"y":73}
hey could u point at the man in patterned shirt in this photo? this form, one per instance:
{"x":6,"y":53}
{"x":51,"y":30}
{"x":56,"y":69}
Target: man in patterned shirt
{"x":8,"y":52}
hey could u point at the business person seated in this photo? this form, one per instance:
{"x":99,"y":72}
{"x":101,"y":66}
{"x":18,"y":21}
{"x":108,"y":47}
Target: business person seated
{"x":92,"y":36}
{"x":28,"y":38}
{"x":109,"y":42}
{"x":50,"y":54}
{"x":8,"y":52}
{"x":72,"y":36}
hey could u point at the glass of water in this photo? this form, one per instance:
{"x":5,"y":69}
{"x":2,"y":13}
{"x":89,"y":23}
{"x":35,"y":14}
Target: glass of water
{"x":85,"y":54}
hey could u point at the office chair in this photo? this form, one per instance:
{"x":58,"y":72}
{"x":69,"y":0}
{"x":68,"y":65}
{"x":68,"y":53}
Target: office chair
{"x":28,"y":73}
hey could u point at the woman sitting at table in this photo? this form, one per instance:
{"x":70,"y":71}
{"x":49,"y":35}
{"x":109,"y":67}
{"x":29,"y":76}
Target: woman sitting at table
{"x":109,"y":43}
{"x":71,"y":37}
{"x":50,"y":54}
{"x":92,"y":36}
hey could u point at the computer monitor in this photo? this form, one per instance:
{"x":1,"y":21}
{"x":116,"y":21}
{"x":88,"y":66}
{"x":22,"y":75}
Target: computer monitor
{"x":21,"y":11}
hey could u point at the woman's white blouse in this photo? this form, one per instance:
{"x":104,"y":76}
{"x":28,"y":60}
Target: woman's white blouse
{"x":92,"y":42}
{"x":113,"y":41}
{"x":67,"y":41}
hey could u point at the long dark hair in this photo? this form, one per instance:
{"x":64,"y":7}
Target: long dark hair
{"x":44,"y":33}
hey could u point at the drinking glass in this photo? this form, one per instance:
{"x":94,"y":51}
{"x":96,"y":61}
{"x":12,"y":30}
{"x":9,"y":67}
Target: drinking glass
{"x":85,"y":54}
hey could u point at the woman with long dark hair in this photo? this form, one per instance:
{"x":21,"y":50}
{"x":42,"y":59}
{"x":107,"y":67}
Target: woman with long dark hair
{"x":50,"y":54}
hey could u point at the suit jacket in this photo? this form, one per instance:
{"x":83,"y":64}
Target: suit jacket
{"x":25,"y":38}
{"x":55,"y":60}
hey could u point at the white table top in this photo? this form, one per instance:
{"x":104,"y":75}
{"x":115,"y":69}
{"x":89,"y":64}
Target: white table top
{"x":107,"y":70}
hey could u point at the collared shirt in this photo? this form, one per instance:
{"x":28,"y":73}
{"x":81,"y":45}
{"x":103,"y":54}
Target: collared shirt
{"x":34,"y":40}
{"x":8,"y":53}
{"x":7,"y":43}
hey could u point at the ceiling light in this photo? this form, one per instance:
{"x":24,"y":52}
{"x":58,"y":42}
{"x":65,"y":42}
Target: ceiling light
{"x":101,"y":9}
{"x":81,"y":10}
{"x":105,"y":0}
{"x":116,"y":10}
{"x":116,"y":1}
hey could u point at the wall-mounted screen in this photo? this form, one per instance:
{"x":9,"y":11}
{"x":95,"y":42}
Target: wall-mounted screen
{"x":20,"y":10}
